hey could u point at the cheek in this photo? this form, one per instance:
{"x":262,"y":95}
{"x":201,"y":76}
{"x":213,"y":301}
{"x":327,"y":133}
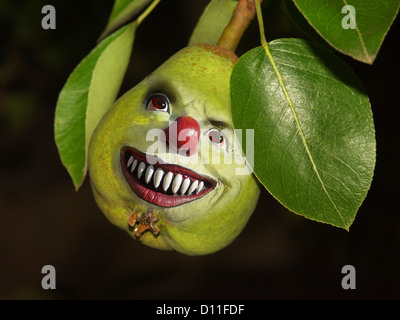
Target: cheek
{"x":227,"y":192}
{"x":140,"y":130}
{"x":212,"y":155}
{"x":131,"y":115}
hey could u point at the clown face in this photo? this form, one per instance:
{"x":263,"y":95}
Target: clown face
{"x":164,"y":162}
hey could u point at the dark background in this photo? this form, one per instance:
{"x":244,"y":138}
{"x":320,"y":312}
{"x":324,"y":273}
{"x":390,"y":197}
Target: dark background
{"x":279,"y":255}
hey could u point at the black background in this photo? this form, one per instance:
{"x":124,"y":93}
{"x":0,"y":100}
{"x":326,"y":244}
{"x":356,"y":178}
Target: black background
{"x":279,"y":255}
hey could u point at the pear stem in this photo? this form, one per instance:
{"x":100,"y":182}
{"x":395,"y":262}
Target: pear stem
{"x":241,"y":18}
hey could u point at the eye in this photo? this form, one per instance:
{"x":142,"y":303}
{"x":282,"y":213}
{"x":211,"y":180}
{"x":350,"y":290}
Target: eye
{"x":216,"y":137}
{"x":157,"y":102}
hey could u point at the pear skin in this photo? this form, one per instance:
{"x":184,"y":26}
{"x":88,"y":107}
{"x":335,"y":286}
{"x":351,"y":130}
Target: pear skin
{"x":207,"y":206}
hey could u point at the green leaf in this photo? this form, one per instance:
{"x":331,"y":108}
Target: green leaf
{"x":301,"y":22}
{"x":213,"y":21}
{"x":314,"y":138}
{"x":88,"y":93}
{"x":372,"y":18}
{"x":123,"y":11}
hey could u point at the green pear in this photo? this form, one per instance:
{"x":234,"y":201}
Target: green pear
{"x":164,"y":162}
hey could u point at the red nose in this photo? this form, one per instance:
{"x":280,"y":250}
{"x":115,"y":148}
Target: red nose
{"x":183,"y":135}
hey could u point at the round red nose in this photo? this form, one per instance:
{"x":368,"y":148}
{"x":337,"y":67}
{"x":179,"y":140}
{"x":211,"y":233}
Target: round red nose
{"x":183,"y":135}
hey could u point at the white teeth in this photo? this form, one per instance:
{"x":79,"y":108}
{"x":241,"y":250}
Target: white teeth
{"x":167,"y":180}
{"x":130,"y":161}
{"x":185,"y":185}
{"x":176,"y":184}
{"x":193,"y":187}
{"x":200,"y":187}
{"x":158,"y":175}
{"x":134,"y":165}
{"x":140,"y":170}
{"x":149,"y":174}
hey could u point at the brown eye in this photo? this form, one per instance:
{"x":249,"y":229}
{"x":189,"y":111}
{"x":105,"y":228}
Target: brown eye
{"x":216,"y":137}
{"x":157,"y":102}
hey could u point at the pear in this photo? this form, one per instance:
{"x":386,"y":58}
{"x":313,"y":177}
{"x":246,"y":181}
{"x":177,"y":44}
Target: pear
{"x":164,"y":162}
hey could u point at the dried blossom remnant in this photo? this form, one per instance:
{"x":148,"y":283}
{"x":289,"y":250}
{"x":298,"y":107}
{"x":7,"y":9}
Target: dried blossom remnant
{"x":146,"y":221}
{"x":132,"y":219}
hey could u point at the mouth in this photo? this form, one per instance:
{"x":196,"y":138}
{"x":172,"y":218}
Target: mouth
{"x":160,"y":183}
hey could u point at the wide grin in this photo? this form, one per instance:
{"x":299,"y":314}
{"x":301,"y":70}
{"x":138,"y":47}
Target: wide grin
{"x":160,"y":183}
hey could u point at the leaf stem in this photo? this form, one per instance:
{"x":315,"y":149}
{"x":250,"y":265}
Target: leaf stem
{"x":260,"y":23}
{"x":241,"y":18}
{"x":148,"y":10}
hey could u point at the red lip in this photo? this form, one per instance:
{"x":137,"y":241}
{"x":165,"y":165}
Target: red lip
{"x":167,"y":192}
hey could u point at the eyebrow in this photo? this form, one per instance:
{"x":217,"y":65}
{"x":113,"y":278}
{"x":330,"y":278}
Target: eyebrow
{"x":164,"y":87}
{"x":219,"y":124}
{"x":214,"y":121}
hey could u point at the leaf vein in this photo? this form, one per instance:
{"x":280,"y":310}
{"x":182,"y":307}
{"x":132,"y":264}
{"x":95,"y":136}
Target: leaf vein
{"x":297,"y":121}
